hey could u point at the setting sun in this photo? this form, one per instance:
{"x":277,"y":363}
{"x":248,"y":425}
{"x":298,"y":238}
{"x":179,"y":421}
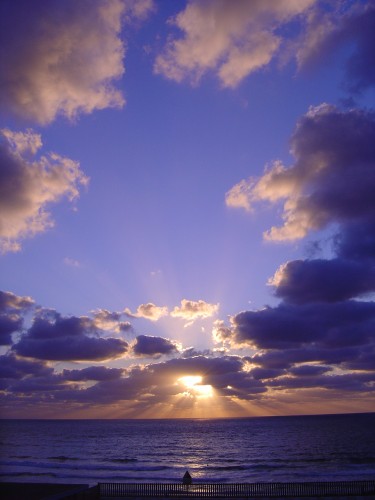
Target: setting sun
{"x":194,"y":387}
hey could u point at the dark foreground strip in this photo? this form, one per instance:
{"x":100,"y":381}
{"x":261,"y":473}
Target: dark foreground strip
{"x":233,"y":490}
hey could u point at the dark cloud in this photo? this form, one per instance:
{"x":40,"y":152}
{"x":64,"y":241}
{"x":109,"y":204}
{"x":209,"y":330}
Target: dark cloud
{"x":67,"y":339}
{"x":12,"y":367}
{"x":361,"y":64}
{"x":44,"y":385}
{"x":266,"y":373}
{"x":330,"y":33}
{"x":363,"y":359}
{"x":11,"y":321}
{"x":57,"y":326}
{"x":362,"y":382}
{"x":8,"y":325}
{"x":303,"y":281}
{"x":92,"y":373}
{"x":285,"y":359}
{"x":309,"y":370}
{"x":357,"y":241}
{"x":286,"y":326}
{"x":147,"y":345}
{"x":81,"y":348}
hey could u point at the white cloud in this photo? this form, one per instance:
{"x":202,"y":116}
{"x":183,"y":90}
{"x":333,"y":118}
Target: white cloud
{"x":62,"y":58}
{"x":232,"y":38}
{"x":239,"y":195}
{"x":192,"y":310}
{"x":148,"y":311}
{"x":71,"y":262}
{"x":107,"y":320}
{"x":28,"y":186}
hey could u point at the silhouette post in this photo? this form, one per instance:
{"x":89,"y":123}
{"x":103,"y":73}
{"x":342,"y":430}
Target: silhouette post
{"x":187,"y":480}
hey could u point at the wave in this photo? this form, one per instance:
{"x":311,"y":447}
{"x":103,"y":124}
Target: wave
{"x":85,"y":466}
{"x":29,"y":474}
{"x":120,"y":460}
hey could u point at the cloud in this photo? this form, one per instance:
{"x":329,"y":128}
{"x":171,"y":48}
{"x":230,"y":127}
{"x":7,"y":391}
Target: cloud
{"x":57,"y":338}
{"x":329,"y":30}
{"x":29,"y":185}
{"x":309,"y":370}
{"x":148,"y":311}
{"x":158,"y":382}
{"x":71,"y":262}
{"x":320,"y":332}
{"x":230,"y":38}
{"x":96,"y":373}
{"x":239,"y":195}
{"x":334,"y":153}
{"x":361,"y":382}
{"x":357,"y":241}
{"x":221,"y":332}
{"x":12,"y":367}
{"x":297,"y":346}
{"x":9,"y":324}
{"x":192,"y":310}
{"x":329,"y":325}
{"x":11,"y":302}
{"x":303,"y":281}
{"x":147,"y":345}
{"x":189,"y":310}
{"x":111,"y":321}
{"x":11,"y":309}
{"x":68,"y":60}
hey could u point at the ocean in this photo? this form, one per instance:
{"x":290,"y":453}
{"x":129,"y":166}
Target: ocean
{"x":264,"y":449}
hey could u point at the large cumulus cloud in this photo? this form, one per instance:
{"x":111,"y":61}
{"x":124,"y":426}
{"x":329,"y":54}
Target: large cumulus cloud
{"x":331,"y":181}
{"x":321,"y":334}
{"x":62,"y":58}
{"x":28,"y":185}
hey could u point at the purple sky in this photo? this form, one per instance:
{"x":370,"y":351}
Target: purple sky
{"x":187,"y":190}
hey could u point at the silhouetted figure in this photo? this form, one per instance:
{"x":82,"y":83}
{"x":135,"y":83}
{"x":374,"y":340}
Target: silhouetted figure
{"x":186,"y":480}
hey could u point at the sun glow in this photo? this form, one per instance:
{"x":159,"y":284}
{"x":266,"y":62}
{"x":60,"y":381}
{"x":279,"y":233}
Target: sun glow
{"x":194,"y":387}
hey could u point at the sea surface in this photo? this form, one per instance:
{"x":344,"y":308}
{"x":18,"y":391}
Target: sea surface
{"x":268,"y":449}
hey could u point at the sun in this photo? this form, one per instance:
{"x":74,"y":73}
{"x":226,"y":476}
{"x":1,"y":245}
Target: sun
{"x":194,"y":387}
{"x":190,"y":381}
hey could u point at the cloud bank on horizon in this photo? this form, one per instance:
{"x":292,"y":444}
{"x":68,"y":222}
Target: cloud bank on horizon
{"x":314,"y":349}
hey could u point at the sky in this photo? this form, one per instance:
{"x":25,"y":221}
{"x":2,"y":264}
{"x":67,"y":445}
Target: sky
{"x":187,"y":209}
